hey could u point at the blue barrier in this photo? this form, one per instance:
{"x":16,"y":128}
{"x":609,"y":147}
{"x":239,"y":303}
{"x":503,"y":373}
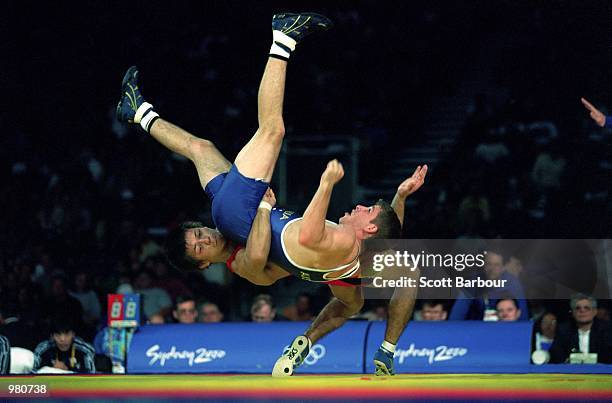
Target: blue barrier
{"x":241,"y":347}
{"x":455,"y":344}
{"x":425,"y":347}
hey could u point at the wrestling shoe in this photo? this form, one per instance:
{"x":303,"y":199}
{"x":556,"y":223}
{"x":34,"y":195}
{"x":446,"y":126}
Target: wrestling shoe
{"x":132,"y":107}
{"x":383,"y":360}
{"x":300,"y":25}
{"x":292,"y":358}
{"x":131,"y":98}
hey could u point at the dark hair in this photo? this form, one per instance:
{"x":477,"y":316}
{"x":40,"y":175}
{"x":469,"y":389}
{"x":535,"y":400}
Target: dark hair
{"x":61,"y":324}
{"x":388,"y":224}
{"x":514,"y":300}
{"x":183,"y":298}
{"x":176,"y":253}
{"x":434,"y":302}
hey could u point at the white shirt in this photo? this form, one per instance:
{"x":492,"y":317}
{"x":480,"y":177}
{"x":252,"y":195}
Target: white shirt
{"x":583,"y":340}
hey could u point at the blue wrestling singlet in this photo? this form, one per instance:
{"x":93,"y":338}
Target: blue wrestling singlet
{"x":235,"y":199}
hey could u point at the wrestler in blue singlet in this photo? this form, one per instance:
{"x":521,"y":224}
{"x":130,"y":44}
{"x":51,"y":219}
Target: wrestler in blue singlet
{"x":235,"y":199}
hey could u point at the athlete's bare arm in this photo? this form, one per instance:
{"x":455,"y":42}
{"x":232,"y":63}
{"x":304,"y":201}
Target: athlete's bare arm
{"x":251,"y":263}
{"x":405,"y":189}
{"x":314,"y":234}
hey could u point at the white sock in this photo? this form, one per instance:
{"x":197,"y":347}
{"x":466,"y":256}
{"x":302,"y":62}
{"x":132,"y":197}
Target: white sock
{"x":282,"y":45}
{"x":388,"y":346}
{"x":145,"y":116}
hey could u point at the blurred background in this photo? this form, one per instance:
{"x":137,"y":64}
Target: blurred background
{"x":485,"y":93}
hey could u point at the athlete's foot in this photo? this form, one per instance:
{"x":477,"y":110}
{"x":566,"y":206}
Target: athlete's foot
{"x":292,"y":358}
{"x":297,"y":26}
{"x":383,"y":360}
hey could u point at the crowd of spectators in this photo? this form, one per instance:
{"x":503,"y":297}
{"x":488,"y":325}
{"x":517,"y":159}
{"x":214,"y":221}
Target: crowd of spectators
{"x":86,"y":201}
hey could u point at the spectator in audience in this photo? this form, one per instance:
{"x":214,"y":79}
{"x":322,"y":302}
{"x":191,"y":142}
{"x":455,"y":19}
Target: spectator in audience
{"x":64,"y":350}
{"x":547,"y":170}
{"x":175,"y":287}
{"x":603,"y":313}
{"x":433,"y":311}
{"x":155,"y":301}
{"x":61,"y":304}
{"x":88,"y":299}
{"x":262,"y":309}
{"x":185,"y":310}
{"x":545,"y":329}
{"x":5,"y":355}
{"x":209,"y":312}
{"x":508,"y":310}
{"x":301,"y":310}
{"x":30,"y":301}
{"x":18,"y":333}
{"x":584,"y":334}
{"x":479,"y":304}
{"x":111,"y":343}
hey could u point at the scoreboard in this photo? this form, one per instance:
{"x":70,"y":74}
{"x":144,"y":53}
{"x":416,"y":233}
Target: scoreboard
{"x":123,"y":310}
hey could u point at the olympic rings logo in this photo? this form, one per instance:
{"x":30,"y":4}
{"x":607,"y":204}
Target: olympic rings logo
{"x":316,"y":353}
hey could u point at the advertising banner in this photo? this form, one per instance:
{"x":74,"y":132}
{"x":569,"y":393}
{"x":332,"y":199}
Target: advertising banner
{"x":241,"y":347}
{"x":428,"y":345}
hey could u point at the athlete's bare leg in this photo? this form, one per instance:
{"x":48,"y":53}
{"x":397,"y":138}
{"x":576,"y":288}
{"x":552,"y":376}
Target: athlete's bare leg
{"x":209,"y":162}
{"x":347,"y":302}
{"x":257,"y":158}
{"x":400,"y":310}
{"x":132,"y":108}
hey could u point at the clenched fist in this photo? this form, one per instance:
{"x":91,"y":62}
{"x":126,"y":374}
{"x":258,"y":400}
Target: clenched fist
{"x":333,"y":173}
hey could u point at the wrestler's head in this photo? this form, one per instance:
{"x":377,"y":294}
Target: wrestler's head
{"x":193,"y":246}
{"x":376,"y":221}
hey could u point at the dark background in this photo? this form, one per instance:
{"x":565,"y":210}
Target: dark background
{"x":380,"y":75}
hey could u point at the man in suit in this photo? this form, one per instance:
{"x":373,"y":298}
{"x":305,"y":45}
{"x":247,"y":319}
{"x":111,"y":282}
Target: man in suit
{"x":584,"y":334}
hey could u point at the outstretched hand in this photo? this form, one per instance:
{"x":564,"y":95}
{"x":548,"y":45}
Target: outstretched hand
{"x":333,"y":173}
{"x":595,"y":113}
{"x":413,"y":183}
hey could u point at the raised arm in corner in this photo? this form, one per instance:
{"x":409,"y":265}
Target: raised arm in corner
{"x":405,"y":189}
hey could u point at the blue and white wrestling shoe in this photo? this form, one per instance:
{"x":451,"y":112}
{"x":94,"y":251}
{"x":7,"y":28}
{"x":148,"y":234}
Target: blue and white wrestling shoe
{"x":292,"y":358}
{"x":131,"y":98}
{"x":383,"y":360}
{"x":132,"y":108}
{"x":299,"y":25}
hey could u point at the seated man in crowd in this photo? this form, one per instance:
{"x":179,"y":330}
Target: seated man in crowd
{"x":185,"y":310}
{"x":433,"y":310}
{"x":64,"y":350}
{"x":584,"y":334}
{"x":155,"y":301}
{"x":480,"y":304}
{"x":508,"y":310}
{"x":262,"y":309}
{"x":301,"y":310}
{"x":209,"y":312}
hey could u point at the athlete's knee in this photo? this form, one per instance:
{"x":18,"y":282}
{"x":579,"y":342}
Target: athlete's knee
{"x":201,"y":148}
{"x":355,"y":304}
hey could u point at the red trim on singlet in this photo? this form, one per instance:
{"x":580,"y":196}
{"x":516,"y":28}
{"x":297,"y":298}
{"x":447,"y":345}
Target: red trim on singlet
{"x":341,"y":283}
{"x":232,"y":257}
